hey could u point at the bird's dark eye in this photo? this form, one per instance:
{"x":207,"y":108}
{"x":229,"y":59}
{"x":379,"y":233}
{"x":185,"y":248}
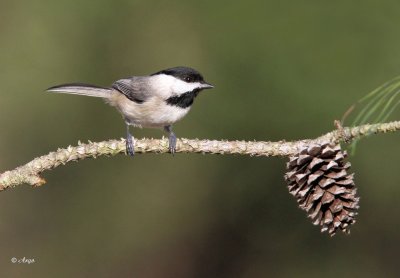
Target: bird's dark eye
{"x":188,"y":79}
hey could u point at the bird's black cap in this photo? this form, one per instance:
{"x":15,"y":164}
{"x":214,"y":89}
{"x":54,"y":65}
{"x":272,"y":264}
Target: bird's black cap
{"x":184,"y":73}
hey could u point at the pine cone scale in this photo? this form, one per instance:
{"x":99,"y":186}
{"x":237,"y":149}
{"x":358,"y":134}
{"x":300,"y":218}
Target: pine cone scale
{"x":318,"y":178}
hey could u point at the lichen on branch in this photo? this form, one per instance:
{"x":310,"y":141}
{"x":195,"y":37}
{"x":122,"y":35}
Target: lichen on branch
{"x":30,"y":172}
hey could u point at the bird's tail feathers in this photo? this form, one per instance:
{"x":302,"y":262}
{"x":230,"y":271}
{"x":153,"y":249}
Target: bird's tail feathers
{"x":81,"y":89}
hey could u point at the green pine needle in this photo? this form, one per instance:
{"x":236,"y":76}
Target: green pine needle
{"x":378,"y":105}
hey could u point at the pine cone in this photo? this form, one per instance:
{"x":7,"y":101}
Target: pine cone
{"x":317,"y":176}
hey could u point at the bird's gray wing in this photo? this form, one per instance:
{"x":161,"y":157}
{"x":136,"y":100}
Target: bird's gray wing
{"x":134,"y":88}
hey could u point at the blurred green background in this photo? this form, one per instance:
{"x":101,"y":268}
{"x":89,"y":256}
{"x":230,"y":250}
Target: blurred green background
{"x":282,"y":70}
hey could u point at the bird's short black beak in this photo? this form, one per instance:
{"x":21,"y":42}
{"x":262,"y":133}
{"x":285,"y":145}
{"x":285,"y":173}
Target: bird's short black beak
{"x":205,"y":85}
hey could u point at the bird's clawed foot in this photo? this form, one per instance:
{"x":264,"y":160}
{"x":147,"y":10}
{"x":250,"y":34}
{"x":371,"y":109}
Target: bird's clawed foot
{"x":171,"y":139}
{"x":172,"y":143}
{"x":130,"y":149}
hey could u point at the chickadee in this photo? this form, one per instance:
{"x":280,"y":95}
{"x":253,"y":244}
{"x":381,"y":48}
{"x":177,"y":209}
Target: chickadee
{"x":155,"y":101}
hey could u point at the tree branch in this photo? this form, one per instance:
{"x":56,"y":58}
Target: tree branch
{"x":30,"y":172}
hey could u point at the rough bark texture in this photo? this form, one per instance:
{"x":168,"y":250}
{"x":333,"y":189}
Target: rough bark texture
{"x":30,"y":172}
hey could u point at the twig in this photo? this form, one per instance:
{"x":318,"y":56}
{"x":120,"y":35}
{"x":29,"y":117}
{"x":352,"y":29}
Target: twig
{"x":30,"y":172}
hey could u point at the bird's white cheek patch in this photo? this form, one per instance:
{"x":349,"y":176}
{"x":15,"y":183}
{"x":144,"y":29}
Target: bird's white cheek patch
{"x":181,"y":87}
{"x":167,"y":86}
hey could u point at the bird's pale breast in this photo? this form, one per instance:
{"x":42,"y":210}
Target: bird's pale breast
{"x":154,"y":112}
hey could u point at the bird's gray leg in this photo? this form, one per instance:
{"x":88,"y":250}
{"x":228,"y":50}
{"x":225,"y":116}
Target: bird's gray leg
{"x":130,"y":149}
{"x":172,"y":138}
